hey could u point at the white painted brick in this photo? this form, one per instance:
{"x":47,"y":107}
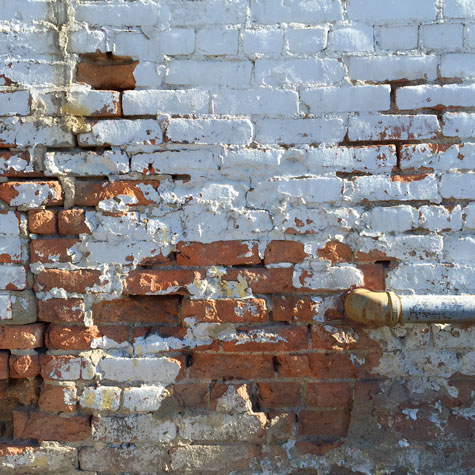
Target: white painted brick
{"x":12,"y":249}
{"x":390,"y":127}
{"x":249,"y":160}
{"x":84,"y":40}
{"x":112,"y":162}
{"x":320,"y":276}
{"x":457,"y":65}
{"x":24,"y":10}
{"x":443,"y":36}
{"x":421,"y":278}
{"x":459,"y":9}
{"x":9,"y":224}
{"x":396,"y":37}
{"x":300,"y":131}
{"x":208,"y":12}
{"x":33,"y":195}
{"x":351,"y":38}
{"x":143,"y":398}
{"x":313,"y":190}
{"x":15,"y":163}
{"x":12,"y":276}
{"x":298,"y":71}
{"x":450,"y":95}
{"x":306,"y":40}
{"x":116,"y":13}
{"x":14,"y":103}
{"x":217,"y":41}
{"x":266,"y":102}
{"x":391,"y":219}
{"x":267,"y":42}
{"x":209,"y":73}
{"x":351,"y":159}
{"x":150,"y":102}
{"x":459,"y":125}
{"x":160,"y":370}
{"x":440,"y":218}
{"x":102,"y":398}
{"x":391,"y":68}
{"x":382,"y":188}
{"x":296,"y":11}
{"x":5,"y":308}
{"x":469,"y":212}
{"x":210,"y":131}
{"x":196,"y":162}
{"x":458,"y":185}
{"x":460,"y":249}
{"x":148,"y":75}
{"x":29,"y":42}
{"x":375,"y":10}
{"x":177,"y":41}
{"x":470,"y":35}
{"x":133,"y":43}
{"x":460,"y":156}
{"x":24,"y":134}
{"x":122,"y":132}
{"x":347,"y":99}
{"x":29,"y":72}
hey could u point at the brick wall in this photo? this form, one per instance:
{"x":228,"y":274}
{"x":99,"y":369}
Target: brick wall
{"x":188,"y":188}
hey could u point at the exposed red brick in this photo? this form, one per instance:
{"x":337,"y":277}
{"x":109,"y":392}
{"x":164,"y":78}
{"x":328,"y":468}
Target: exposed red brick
{"x":263,"y":281}
{"x":61,"y":367}
{"x":465,"y":389}
{"x":294,"y":366}
{"x":44,"y":426}
{"x":24,"y":366}
{"x":142,"y":282}
{"x":336,"y":251}
{"x":408,"y":178}
{"x":42,"y":221}
{"x":226,"y":253}
{"x":106,"y":71}
{"x":10,"y":157}
{"x":278,"y":394}
{"x":145,"y":309}
{"x":325,"y":424}
{"x":374,"y":276}
{"x":218,"y":367}
{"x":72,"y":221}
{"x":341,"y":337}
{"x":274,"y":339}
{"x":226,"y":310}
{"x":9,"y":449}
{"x":217,"y":390}
{"x":69,"y":280}
{"x":57,"y":399}
{"x":9,"y":191}
{"x":319,"y":448}
{"x":22,"y":337}
{"x":61,"y":337}
{"x":372,"y":256}
{"x":291,"y":308}
{"x":52,"y":250}
{"x":284,"y":251}
{"x":4,"y":368}
{"x":328,"y":395}
{"x":192,"y":396}
{"x":90,"y":193}
{"x":61,"y":310}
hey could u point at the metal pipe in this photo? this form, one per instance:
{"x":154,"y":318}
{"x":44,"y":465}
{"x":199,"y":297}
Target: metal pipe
{"x":387,"y":308}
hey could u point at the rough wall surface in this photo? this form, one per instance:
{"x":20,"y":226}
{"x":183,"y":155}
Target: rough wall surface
{"x":187,"y":190}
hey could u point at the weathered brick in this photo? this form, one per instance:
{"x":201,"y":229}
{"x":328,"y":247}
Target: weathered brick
{"x":226,"y":253}
{"x":31,"y":194}
{"x":4,"y":367}
{"x":24,"y":366}
{"x":278,"y":394}
{"x":325,"y":424}
{"x":263,"y":281}
{"x":42,"y":222}
{"x":73,"y":221}
{"x":54,"y":250}
{"x":22,"y":337}
{"x":61,"y":310}
{"x":57,"y":398}
{"x":294,"y":308}
{"x":328,"y":395}
{"x":71,"y":281}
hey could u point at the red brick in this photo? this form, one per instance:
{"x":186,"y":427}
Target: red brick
{"x":465,"y":389}
{"x":11,"y":449}
{"x":72,"y":221}
{"x":320,"y":448}
{"x":61,"y":337}
{"x":44,"y":426}
{"x":217,"y":390}
{"x":293,"y":308}
{"x":374,"y":276}
{"x":284,"y":251}
{"x":24,"y":366}
{"x":90,"y":193}
{"x":9,"y":191}
{"x":336,"y":251}
{"x":275,"y":339}
{"x":69,"y":280}
{"x":264,"y":281}
{"x":10,"y":161}
{"x":4,"y":368}
{"x":192,"y":396}
{"x":294,"y":366}
{"x":226,"y":253}
{"x":328,"y":395}
{"x":52,"y":250}
{"x":105,"y":71}
{"x":22,"y":337}
{"x":324,"y":424}
{"x":422,"y":428}
{"x":42,"y":221}
{"x":218,"y":367}
{"x":278,"y":394}
{"x":147,"y":309}
{"x":54,"y":398}
{"x":337,"y":365}
{"x":61,"y":310}
{"x":141,"y":282}
{"x":226,"y":310}
{"x":341,"y":337}
{"x":62,"y":367}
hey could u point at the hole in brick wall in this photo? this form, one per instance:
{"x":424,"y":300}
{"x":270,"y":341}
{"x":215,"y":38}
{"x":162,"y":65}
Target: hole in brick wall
{"x":106,"y":71}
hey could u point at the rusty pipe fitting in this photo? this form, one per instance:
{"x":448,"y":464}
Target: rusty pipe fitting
{"x":388,"y":309}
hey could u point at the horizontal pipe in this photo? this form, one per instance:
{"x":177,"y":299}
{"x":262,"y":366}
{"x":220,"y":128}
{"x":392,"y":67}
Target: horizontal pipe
{"x":388,"y":309}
